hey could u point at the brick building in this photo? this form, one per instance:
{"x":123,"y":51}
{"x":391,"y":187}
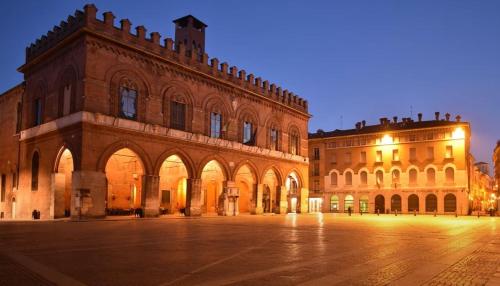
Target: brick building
{"x":407,"y":166}
{"x":110,"y":120}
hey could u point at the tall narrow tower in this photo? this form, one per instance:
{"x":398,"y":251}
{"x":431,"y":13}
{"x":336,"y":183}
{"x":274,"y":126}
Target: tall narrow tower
{"x":191,"y":32}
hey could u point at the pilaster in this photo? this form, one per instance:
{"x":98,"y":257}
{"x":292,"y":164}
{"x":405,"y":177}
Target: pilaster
{"x":193,"y":197}
{"x":151,"y":195}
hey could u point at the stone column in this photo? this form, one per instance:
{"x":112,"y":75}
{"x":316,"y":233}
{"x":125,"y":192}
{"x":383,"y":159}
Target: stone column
{"x":440,"y":202}
{"x":88,"y":194}
{"x":421,"y":202}
{"x":283,"y":200}
{"x":304,"y":200}
{"x":404,"y":203}
{"x":258,"y":204}
{"x":150,"y":195}
{"x":193,"y":197}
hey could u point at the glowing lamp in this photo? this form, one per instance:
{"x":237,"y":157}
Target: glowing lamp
{"x":458,"y":133}
{"x":386,"y":140}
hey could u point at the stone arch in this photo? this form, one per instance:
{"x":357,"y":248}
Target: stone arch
{"x":246,"y":184}
{"x":111,"y":149}
{"x":251,"y":166}
{"x":450,"y":202}
{"x":62,"y":181}
{"x":348,"y":176}
{"x":178,"y":92}
{"x":273,"y":122}
{"x":292,"y":131}
{"x":395,"y":170}
{"x":221,"y":161}
{"x":246,"y":113}
{"x":277,"y":172}
{"x":186,"y":160}
{"x":366,"y":171}
{"x":57,"y":158}
{"x":299,"y":176}
{"x":216,"y":103}
{"x":67,"y":77}
{"x":121,"y":75}
{"x":430,"y":174}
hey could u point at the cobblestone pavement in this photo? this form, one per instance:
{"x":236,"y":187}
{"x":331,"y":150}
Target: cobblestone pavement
{"x":322,"y":249}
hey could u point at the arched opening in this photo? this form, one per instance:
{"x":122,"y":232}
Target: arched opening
{"x":431,"y":176}
{"x":334,"y":204}
{"x":124,"y":171}
{"x":379,"y":176}
{"x":395,"y":177}
{"x":293,"y":193}
{"x":348,"y":178}
{"x":450,"y":203}
{"x":363,"y":204}
{"x":450,"y":175}
{"x":380,"y":204}
{"x":212,"y":179}
{"x":245,"y":181}
{"x":363,"y":178}
{"x":413,"y":203}
{"x":412,"y":174}
{"x":173,"y":185}
{"x":396,"y":203}
{"x":348,"y":203}
{"x":63,"y":184}
{"x":333,"y":179}
{"x":431,"y":203}
{"x":270,"y":198}
{"x":35,"y":169}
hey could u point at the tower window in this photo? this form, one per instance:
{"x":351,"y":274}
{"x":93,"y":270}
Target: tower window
{"x":215,"y":125}
{"x":178,"y":115}
{"x":247,"y":133}
{"x":128,"y":103}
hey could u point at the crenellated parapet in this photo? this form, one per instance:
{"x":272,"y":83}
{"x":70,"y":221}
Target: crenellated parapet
{"x":151,"y":43}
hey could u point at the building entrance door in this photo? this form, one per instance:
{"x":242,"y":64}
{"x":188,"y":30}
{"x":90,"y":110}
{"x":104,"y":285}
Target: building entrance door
{"x":315,"y":205}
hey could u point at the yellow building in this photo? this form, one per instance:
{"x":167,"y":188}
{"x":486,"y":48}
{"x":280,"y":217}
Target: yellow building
{"x":405,"y":166}
{"x":482,"y":194}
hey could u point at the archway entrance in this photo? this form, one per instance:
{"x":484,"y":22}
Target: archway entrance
{"x":380,"y":204}
{"x":270,"y":198}
{"x":245,"y":181}
{"x":450,"y":203}
{"x":431,"y":203}
{"x":212,"y":179}
{"x":293,"y":194}
{"x":348,"y":203}
{"x":173,"y":185}
{"x":396,"y":203}
{"x":124,"y":171}
{"x":363,"y":204}
{"x":334,"y":204}
{"x":413,"y":203}
{"x":63,"y":184}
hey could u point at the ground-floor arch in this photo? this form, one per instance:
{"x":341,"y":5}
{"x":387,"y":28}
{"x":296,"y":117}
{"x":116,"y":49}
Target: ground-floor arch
{"x":348,"y":203}
{"x":334,"y":204}
{"x":292,"y":184}
{"x":396,"y":203}
{"x":271,"y":192}
{"x":212,"y":183}
{"x":173,"y":185}
{"x":62,"y":184}
{"x":363,"y":204}
{"x":431,"y":203}
{"x":450,"y":203}
{"x":413,"y":203}
{"x":246,"y":182}
{"x":379,"y":204}
{"x":124,"y":173}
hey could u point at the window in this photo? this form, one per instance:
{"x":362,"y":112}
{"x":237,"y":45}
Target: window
{"x":35,"y":165}
{"x":19,"y":116}
{"x":380,"y":177}
{"x":348,"y":158}
{"x":363,"y":177}
{"x":215,"y":125}
{"x":294,"y":143}
{"x":431,"y":176}
{"x":333,"y":179}
{"x":348,"y":179}
{"x":413,"y":154}
{"x":14,"y":180}
{"x":274,"y":139}
{"x":450,"y":175}
{"x":412,"y":138}
{"x":3,"y":190}
{"x":67,"y":99}
{"x":379,"y":156}
{"x":348,"y":203}
{"x":37,"y":112}
{"x":395,"y":176}
{"x":362,"y":158}
{"x":128,"y":102}
{"x":316,"y":185}
{"x":177,"y":115}
{"x":413,"y":176}
{"x":334,"y":158}
{"x":395,"y":155}
{"x":316,"y":153}
{"x":430,"y":153}
{"x":449,"y":152}
{"x":316,"y":169}
{"x":247,"y":133}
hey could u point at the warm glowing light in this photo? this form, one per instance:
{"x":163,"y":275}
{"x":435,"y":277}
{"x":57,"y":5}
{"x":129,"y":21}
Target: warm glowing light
{"x":387,"y":139}
{"x":458,"y":133}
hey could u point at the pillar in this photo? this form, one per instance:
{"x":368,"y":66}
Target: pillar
{"x":283,"y":200}
{"x":150,"y":195}
{"x":258,"y":204}
{"x":304,"y":200}
{"x":193,"y":197}
{"x":88,"y":194}
{"x":404,"y":202}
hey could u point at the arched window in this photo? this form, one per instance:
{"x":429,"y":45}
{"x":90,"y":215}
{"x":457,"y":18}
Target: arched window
{"x":348,"y":203}
{"x":128,"y":100}
{"x":333,"y":179}
{"x":37,"y":108}
{"x":379,"y":177}
{"x":215,"y":124}
{"x":294,"y":142}
{"x":274,"y":138}
{"x":413,"y":176}
{"x":67,"y":93}
{"x":348,"y":178}
{"x":35,"y":167}
{"x":395,"y":176}
{"x":431,"y":203}
{"x":363,"y":176}
{"x":431,"y":176}
{"x":450,"y":175}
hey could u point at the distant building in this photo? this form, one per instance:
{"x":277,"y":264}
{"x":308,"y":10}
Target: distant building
{"x":406,"y":166}
{"x":109,"y":120}
{"x":482,"y":193}
{"x":496,"y":175}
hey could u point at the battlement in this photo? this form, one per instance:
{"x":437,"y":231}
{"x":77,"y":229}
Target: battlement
{"x":87,"y":19}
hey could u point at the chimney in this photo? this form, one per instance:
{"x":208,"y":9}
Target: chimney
{"x":382,"y":120}
{"x":458,"y":118}
{"x":420,"y":117}
{"x":363,"y":123}
{"x":358,"y":125}
{"x":447,"y":115}
{"x":437,"y":115}
{"x":395,"y":119}
{"x":191,"y":32}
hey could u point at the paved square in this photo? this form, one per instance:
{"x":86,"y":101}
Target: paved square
{"x":322,"y":249}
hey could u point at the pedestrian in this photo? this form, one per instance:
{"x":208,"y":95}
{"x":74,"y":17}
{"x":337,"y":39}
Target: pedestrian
{"x":378,"y":212}
{"x":349,"y":210}
{"x":414,"y":212}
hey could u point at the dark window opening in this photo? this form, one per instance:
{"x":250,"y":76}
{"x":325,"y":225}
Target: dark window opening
{"x":177,"y":115}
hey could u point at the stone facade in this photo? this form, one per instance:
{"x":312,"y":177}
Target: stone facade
{"x":406,"y":166}
{"x":96,"y":93}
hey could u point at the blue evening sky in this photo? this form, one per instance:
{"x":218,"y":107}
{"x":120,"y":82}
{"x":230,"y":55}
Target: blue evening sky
{"x":352,"y":60}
